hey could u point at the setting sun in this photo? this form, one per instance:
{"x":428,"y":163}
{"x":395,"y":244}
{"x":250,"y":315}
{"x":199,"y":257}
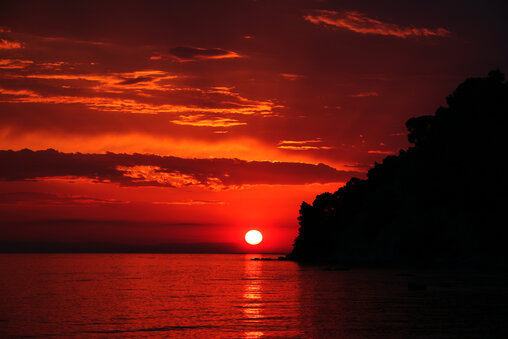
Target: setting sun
{"x":253,"y":237}
{"x":346,"y":140}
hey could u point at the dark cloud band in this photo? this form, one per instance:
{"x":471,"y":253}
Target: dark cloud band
{"x":168,"y":171}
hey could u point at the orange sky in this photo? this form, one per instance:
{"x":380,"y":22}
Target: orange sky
{"x":239,"y":111}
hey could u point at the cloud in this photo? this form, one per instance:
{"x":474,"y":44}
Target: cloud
{"x":299,"y":142}
{"x":15,"y":63}
{"x":365,"y":94}
{"x":153,"y":80}
{"x":204,"y":121}
{"x":136,"y":80}
{"x":302,"y":145}
{"x":152,"y":170}
{"x":56,"y":66}
{"x":116,"y":104}
{"x":6,"y":44}
{"x":39,"y":198}
{"x":381,"y":152}
{"x":141,"y":92}
{"x":289,"y":76}
{"x":360,"y":23}
{"x":183,"y":53}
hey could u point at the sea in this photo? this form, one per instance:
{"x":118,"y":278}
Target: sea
{"x":232,"y":296}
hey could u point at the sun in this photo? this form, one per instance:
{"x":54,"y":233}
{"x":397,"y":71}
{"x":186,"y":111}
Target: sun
{"x":253,"y":237}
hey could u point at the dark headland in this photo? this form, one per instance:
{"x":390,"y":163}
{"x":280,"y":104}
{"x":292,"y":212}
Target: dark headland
{"x":441,"y":202}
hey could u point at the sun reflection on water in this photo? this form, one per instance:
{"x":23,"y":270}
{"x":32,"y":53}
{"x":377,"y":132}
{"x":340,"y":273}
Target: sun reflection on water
{"x":252,"y":297}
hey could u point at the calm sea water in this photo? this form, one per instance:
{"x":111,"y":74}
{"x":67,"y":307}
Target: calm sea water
{"x":230,"y":296}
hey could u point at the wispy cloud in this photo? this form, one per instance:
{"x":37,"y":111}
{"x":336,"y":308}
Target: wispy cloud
{"x":56,"y":66}
{"x":142,"y":92}
{"x":133,"y":106}
{"x":6,"y":44}
{"x":205,"y":121}
{"x":381,"y":152}
{"x":15,"y":63}
{"x":290,"y":76}
{"x":115,"y":82}
{"x":365,"y":94}
{"x":302,"y":145}
{"x":361,"y":23}
{"x":299,"y":142}
{"x":185,"y":53}
{"x":147,"y":175}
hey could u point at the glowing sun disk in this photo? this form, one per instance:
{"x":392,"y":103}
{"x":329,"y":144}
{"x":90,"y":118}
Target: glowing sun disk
{"x":253,"y":237}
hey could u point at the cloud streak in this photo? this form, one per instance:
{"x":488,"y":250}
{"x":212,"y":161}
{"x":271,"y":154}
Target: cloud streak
{"x":360,"y":23}
{"x":202,"y":120}
{"x":302,"y":145}
{"x":381,"y":152}
{"x":290,"y":76}
{"x":365,"y":94}
{"x":6,"y":44}
{"x":184,"y":53}
{"x":15,"y":63}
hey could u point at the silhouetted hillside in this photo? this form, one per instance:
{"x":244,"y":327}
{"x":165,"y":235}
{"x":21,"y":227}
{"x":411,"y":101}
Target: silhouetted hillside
{"x":442,"y":201}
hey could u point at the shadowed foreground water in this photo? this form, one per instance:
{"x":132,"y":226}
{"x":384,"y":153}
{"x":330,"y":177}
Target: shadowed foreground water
{"x":230,"y":296}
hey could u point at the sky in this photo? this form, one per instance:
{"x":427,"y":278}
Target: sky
{"x":181,"y":125}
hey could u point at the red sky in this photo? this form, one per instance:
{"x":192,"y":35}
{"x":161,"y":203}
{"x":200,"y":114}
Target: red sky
{"x":181,"y":125}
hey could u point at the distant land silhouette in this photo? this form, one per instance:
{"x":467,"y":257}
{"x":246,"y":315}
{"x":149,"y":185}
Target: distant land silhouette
{"x":442,"y":202}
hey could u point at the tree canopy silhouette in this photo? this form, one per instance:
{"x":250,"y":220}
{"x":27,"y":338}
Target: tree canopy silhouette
{"x":443,"y":200}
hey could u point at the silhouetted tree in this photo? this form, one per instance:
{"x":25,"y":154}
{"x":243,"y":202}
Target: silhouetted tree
{"x":442,"y":200}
